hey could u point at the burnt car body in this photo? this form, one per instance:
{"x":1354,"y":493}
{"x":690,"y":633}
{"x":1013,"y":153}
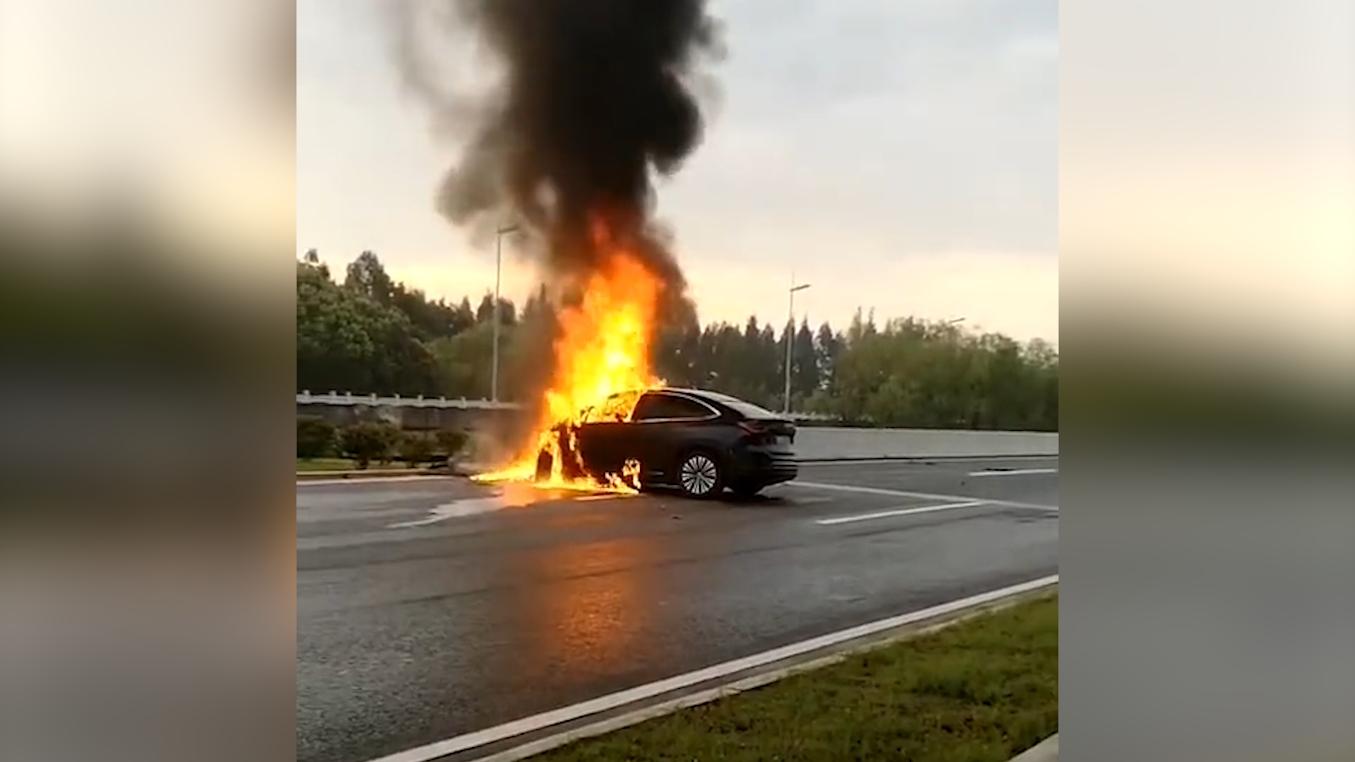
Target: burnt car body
{"x":696,"y":441}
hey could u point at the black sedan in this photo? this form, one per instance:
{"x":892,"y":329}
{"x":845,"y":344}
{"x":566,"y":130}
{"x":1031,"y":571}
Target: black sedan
{"x":696,"y":441}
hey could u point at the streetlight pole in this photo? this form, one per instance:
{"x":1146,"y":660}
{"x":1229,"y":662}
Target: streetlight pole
{"x":790,"y":335}
{"x":498,"y":279}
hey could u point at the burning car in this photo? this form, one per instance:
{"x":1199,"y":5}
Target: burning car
{"x":696,"y":441}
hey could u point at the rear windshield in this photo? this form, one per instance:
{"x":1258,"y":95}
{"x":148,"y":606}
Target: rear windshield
{"x":747,"y":409}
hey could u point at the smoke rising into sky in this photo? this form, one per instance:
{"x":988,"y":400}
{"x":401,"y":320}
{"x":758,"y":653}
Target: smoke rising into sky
{"x":590,"y":102}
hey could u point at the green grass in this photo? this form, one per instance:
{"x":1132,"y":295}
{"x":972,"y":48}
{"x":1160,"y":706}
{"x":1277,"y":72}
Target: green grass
{"x":980,"y":691}
{"x":339,"y":464}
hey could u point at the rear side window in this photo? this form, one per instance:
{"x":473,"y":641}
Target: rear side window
{"x":749,"y":410}
{"x":613,"y":409}
{"x":662,"y":406}
{"x":746,"y":409}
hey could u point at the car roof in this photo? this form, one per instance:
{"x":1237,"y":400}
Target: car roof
{"x":698,"y":393}
{"x":704,"y":395}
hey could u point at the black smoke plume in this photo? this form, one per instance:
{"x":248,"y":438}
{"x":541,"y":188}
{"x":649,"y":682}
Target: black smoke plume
{"x":594,"y":100}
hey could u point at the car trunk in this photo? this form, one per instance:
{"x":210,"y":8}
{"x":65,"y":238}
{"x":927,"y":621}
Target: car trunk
{"x":774,"y":433}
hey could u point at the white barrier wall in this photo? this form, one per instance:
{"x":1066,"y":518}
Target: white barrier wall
{"x":823,"y":443}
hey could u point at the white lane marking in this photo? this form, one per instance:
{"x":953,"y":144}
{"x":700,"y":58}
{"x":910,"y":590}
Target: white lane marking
{"x":612,"y":701}
{"x":1014,"y":472}
{"x":919,"y":495}
{"x":468,"y":507}
{"x":473,"y":505}
{"x":370,"y":480}
{"x":897,"y":512}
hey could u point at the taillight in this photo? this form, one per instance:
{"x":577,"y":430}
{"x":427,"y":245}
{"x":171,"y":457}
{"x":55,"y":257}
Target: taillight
{"x":753,"y":431}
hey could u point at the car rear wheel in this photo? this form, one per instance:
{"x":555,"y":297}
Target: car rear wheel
{"x":700,"y":475}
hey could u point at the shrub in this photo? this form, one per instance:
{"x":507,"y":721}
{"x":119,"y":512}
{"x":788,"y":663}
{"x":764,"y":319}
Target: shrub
{"x":368,"y":441}
{"x":416,"y":448}
{"x":315,"y":437}
{"x":450,"y":442}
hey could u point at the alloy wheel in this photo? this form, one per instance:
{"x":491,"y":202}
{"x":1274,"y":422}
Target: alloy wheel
{"x":699,"y":475}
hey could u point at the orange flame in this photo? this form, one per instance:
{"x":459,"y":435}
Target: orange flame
{"x":603,"y":349}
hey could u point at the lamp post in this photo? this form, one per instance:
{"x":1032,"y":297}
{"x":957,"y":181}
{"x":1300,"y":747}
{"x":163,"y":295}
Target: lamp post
{"x":498,"y":278}
{"x":790,"y":335}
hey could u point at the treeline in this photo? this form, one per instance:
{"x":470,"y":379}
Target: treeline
{"x":370,"y":334}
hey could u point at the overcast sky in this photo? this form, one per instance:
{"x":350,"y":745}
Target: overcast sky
{"x":899,"y":156}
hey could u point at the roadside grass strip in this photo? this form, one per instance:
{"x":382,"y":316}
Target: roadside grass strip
{"x":983,"y":689}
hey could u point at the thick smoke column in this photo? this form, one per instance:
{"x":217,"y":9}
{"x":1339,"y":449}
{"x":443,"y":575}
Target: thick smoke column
{"x":596,"y":99}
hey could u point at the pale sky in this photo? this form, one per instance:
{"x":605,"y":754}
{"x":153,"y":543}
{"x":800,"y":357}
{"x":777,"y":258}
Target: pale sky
{"x":900,"y":156}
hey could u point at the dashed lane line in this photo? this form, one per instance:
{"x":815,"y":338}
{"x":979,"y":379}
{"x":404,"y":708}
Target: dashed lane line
{"x":898,"y":512}
{"x":455,"y":509}
{"x":1013,"y":472}
{"x":918,"y":495}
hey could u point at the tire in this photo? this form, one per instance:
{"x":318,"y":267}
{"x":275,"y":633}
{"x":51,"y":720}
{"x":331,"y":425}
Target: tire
{"x":570,"y":469}
{"x":700,"y":475}
{"x":544,"y":461}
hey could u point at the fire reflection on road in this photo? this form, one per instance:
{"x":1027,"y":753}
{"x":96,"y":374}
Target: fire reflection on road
{"x":582,"y":609}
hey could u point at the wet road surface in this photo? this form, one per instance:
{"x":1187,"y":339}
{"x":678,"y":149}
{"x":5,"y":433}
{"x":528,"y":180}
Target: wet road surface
{"x":431,"y":608}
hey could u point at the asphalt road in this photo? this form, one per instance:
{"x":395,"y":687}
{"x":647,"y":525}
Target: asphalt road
{"x":431,"y":608}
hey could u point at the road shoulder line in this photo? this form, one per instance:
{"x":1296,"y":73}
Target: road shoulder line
{"x":1044,"y":751}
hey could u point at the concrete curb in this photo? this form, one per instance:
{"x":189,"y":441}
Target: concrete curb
{"x":371,"y":473}
{"x":839,"y":442}
{"x":913,"y":458}
{"x":455,"y":469}
{"x":1044,"y":751}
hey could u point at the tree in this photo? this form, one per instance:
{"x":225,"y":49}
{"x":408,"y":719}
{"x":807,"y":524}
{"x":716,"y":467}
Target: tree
{"x":367,"y":276}
{"x":464,"y":361}
{"x":805,"y":366}
{"x":464,"y":315}
{"x":827,"y":351}
{"x":375,"y":335}
{"x":914,"y":373}
{"x":347,"y":341}
{"x":485,"y":312}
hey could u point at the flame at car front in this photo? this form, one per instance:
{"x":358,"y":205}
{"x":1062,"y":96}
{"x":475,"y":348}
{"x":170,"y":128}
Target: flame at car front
{"x":603,"y":348}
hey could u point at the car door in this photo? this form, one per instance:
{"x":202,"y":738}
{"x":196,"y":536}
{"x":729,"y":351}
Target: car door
{"x":603,"y":440}
{"x":664,"y":426}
